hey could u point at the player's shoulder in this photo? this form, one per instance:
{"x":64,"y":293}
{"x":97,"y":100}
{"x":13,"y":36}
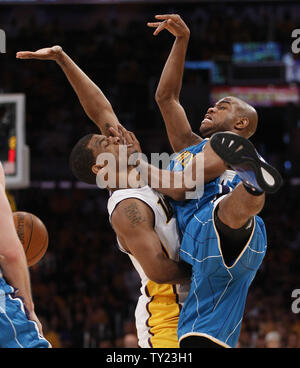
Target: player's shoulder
{"x":131,"y":192}
{"x":195,"y":148}
{"x":145,"y":194}
{"x":131,"y":214}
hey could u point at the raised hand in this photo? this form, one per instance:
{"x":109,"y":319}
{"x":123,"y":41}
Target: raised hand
{"x":127,"y":138}
{"x":171,"y":22}
{"x":48,"y":53}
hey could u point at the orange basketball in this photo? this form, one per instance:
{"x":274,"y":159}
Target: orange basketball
{"x":32,"y":234}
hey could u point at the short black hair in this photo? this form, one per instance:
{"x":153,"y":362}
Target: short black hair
{"x":82,"y":159}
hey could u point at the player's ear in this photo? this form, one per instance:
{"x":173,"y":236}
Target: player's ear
{"x":242,"y":123}
{"x":96,"y":168}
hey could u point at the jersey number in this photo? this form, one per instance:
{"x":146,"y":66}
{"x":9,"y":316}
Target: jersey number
{"x":167,"y":208}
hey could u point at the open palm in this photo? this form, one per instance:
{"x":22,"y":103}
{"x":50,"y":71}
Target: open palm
{"x":48,"y":53}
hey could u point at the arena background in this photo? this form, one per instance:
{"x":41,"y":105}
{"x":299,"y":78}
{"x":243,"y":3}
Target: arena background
{"x":84,"y":289}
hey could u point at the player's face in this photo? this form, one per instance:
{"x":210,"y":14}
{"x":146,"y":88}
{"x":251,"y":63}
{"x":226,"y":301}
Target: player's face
{"x":219,"y":118}
{"x":112,"y":145}
{"x":102,"y":144}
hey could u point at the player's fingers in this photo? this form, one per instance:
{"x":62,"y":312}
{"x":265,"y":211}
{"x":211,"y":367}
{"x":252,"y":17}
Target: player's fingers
{"x":121,"y":129}
{"x":119,"y":126}
{"x":132,"y":136}
{"x":128,"y":136}
{"x":168,"y":16}
{"x":25,"y":54}
{"x":160,"y":28}
{"x":115,"y":133}
{"x":125,"y":134}
{"x":174,"y":25}
{"x":153,"y":24}
{"x":135,"y":140}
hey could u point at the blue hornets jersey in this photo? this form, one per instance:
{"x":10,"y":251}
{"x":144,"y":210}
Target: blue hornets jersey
{"x":16,"y":330}
{"x":215,"y":305}
{"x":184,"y":210}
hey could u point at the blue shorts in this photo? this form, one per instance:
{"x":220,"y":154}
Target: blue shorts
{"x":16,"y":330}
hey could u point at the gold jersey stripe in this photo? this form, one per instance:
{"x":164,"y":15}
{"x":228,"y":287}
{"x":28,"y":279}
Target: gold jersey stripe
{"x":163,"y":318}
{"x":183,"y":158}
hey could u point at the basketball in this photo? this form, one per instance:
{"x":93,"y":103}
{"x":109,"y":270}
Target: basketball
{"x":33,"y":235}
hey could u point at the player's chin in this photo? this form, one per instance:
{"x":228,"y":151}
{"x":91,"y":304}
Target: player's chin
{"x":205,"y":132}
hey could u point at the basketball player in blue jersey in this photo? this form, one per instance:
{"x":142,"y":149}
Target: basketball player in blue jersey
{"x":223,"y":239}
{"x":19,"y":325}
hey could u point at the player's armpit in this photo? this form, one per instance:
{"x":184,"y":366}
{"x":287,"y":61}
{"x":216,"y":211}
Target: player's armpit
{"x":133,"y":222}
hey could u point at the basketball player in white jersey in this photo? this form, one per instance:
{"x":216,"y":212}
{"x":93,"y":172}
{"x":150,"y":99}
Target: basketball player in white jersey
{"x":146,"y":231}
{"x":141,"y":218}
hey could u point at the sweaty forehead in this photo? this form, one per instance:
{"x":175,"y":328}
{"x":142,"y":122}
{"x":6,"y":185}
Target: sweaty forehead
{"x":227,"y":100}
{"x":96,"y":140}
{"x":234,"y":102}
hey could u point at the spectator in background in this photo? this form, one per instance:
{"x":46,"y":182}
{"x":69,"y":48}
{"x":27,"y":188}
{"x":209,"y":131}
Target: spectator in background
{"x":273,"y":340}
{"x":293,"y":340}
{"x":260,"y":341}
{"x":130,"y":341}
{"x":50,"y":332}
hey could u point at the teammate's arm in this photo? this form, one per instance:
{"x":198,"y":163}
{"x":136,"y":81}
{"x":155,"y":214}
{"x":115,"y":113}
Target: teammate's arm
{"x":179,"y":131}
{"x":12,"y":257}
{"x":133,"y":222}
{"x":92,"y":99}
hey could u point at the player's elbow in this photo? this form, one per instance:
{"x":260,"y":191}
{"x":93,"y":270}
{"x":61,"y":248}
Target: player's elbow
{"x":159,"y":278}
{"x":9,"y":256}
{"x":165,"y":98}
{"x":157,"y":274}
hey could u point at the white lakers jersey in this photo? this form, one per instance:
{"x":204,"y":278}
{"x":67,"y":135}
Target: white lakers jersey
{"x":158,"y":308}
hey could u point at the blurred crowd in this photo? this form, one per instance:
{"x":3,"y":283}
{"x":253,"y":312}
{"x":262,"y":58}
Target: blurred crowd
{"x":85,"y":289}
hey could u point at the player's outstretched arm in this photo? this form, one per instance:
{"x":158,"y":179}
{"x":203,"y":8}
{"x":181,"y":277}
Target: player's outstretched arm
{"x":92,"y":99}
{"x":203,"y":168}
{"x":13,"y":261}
{"x":133,"y":222}
{"x":168,"y":91}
